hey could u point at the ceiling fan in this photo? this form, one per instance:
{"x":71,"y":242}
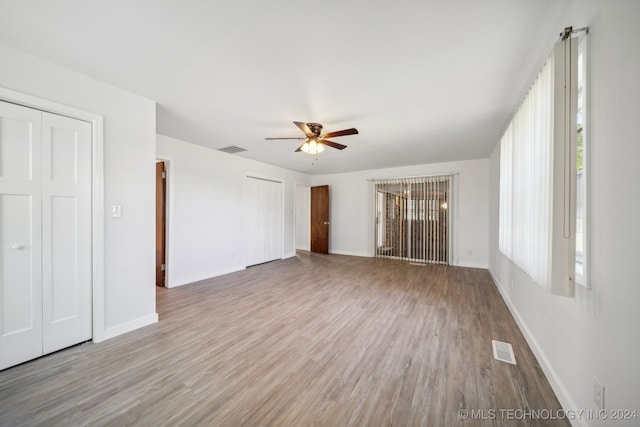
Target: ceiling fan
{"x":315,"y":141}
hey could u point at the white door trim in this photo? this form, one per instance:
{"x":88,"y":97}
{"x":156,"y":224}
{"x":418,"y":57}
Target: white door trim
{"x":97,"y":193}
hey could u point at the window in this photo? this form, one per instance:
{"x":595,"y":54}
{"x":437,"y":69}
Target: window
{"x":542,"y":225}
{"x":581,"y":164}
{"x":412,"y":218}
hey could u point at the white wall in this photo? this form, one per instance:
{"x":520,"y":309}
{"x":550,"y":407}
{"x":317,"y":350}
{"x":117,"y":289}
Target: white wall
{"x":129,"y":157}
{"x":596,"y":333}
{"x":350,"y":216}
{"x":207,"y":205}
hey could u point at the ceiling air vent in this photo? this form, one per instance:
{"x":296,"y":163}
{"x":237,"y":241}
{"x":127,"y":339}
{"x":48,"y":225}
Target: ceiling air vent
{"x":232,"y":149}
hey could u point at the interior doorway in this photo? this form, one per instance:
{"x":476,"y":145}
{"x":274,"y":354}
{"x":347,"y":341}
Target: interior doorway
{"x":161,"y":223}
{"x":320,"y":219}
{"x":303,"y":217}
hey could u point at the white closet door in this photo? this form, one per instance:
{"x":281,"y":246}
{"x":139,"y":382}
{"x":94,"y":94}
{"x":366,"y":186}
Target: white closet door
{"x":254,"y":221}
{"x":264,"y":226}
{"x":45,"y":233}
{"x":273,"y":245}
{"x":66,"y":231}
{"x":20,"y":235}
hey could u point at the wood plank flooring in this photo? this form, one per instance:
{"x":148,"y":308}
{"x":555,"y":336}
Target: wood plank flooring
{"x":315,"y":340}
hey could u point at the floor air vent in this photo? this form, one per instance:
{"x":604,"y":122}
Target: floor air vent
{"x":232,"y":149}
{"x":503,"y":351}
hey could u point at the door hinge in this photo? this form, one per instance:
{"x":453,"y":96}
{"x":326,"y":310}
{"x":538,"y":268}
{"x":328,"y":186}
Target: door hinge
{"x":164,"y":175}
{"x":163,"y":267}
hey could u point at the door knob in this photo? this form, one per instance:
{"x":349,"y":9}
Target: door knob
{"x":326,"y":223}
{"x":16,"y":247}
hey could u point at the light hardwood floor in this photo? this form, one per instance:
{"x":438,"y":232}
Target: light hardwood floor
{"x":322,"y":340}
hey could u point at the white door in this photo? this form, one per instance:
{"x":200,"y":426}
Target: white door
{"x":20,"y":235}
{"x":45,"y":233}
{"x":66,"y":231}
{"x":273,"y":214}
{"x":264,"y":225}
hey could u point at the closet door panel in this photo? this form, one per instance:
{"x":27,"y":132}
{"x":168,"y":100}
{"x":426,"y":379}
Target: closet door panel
{"x":254,"y":221}
{"x":20,"y":235}
{"x":274,"y":244}
{"x":66,"y":211}
{"x":264,"y":220}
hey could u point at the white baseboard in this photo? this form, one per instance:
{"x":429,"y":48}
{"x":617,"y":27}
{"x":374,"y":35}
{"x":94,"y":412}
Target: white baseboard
{"x":567,"y":403}
{"x":471,"y":265}
{"x":368,"y":255}
{"x":123,"y":328}
{"x":191,"y":279}
{"x":349,"y":253}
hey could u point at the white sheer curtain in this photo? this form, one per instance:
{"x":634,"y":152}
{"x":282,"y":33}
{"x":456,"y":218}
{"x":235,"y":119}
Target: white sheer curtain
{"x":525,"y":181}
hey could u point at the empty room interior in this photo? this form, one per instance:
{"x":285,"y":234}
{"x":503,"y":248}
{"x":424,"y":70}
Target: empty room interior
{"x":340,"y":213}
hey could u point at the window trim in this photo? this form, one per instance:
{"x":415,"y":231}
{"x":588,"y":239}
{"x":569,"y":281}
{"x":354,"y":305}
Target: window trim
{"x":583,"y":49}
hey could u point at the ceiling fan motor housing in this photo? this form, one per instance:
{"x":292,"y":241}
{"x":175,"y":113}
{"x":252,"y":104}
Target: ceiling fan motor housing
{"x":315,"y":128}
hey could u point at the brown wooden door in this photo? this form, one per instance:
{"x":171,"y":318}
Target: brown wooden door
{"x":160,"y":223}
{"x":320,"y":219}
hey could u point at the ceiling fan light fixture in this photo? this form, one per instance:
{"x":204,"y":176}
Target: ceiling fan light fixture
{"x":312,"y":146}
{"x":314,"y":141}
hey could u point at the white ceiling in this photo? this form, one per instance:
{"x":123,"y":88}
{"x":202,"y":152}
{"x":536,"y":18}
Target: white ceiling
{"x":424,"y":81}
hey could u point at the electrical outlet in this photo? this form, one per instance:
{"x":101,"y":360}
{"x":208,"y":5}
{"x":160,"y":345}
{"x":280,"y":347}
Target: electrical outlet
{"x":116,"y":211}
{"x":598,"y":394}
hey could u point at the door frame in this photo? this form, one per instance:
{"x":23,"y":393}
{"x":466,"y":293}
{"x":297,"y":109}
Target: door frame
{"x":97,"y":194}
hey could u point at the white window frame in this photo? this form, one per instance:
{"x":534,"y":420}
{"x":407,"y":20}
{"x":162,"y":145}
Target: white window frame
{"x":582,"y":215}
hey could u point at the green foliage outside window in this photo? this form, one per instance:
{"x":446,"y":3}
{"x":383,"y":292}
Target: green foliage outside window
{"x":579,"y":147}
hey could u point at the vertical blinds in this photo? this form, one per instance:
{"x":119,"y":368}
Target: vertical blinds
{"x":525,"y":180}
{"x":538,"y":174}
{"x":412,"y":218}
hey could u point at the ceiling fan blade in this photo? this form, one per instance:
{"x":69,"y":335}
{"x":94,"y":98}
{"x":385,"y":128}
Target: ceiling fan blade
{"x":304,"y":128}
{"x":352,"y":131}
{"x":269,"y":139}
{"x":332,"y":144}
{"x":299,"y":148}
